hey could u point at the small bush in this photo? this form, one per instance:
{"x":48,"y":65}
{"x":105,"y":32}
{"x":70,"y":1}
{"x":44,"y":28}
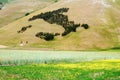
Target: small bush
{"x":29,"y":26}
{"x":57,"y":34}
{"x":55,"y":0}
{"x":23,"y":29}
{"x":18,"y":31}
{"x":49,"y":36}
{"x":45,"y":36}
{"x":86,"y":26}
{"x":65,"y":33}
{"x":116,"y":48}
{"x":27,"y":14}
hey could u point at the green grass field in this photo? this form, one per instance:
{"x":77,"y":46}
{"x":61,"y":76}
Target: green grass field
{"x":59,"y":65}
{"x":100,"y":70}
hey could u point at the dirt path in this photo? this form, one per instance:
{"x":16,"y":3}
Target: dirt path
{"x":3,"y":46}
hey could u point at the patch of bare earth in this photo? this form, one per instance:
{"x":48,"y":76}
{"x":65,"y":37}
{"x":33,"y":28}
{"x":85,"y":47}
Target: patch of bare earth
{"x":2,"y":46}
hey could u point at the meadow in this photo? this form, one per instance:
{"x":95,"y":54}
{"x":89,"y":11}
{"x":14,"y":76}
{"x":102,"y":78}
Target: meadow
{"x":95,"y":70}
{"x":59,"y":65}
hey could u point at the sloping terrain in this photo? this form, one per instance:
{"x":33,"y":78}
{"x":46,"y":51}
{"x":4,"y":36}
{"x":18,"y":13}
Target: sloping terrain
{"x":101,"y":15}
{"x":15,"y":9}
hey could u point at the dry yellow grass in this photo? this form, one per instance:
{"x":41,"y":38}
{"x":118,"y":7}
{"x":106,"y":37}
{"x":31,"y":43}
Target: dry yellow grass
{"x":101,"y":34}
{"x":17,"y":9}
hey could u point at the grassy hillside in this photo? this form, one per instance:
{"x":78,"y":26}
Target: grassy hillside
{"x":15,"y":9}
{"x":103,"y":18}
{"x":6,"y":1}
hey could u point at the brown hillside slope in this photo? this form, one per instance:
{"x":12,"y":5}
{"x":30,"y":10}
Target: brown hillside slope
{"x":100,"y":15}
{"x":18,"y":8}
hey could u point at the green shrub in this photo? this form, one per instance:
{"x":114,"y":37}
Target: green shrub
{"x":55,"y":0}
{"x":45,"y":36}
{"x":27,"y":14}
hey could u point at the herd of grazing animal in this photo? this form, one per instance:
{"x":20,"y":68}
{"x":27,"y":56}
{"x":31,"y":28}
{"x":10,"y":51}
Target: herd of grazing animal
{"x":56,"y":17}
